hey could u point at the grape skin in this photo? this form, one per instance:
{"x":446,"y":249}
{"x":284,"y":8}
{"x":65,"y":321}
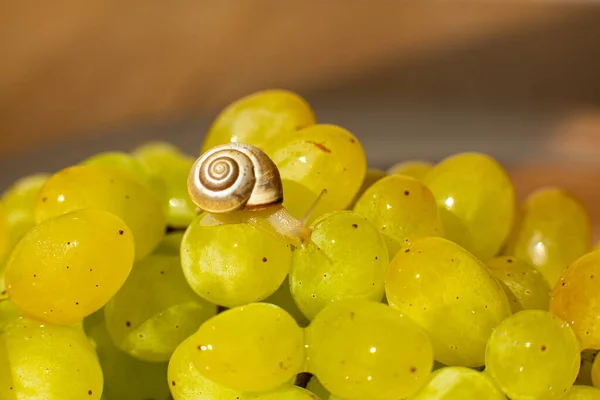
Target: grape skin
{"x":553,"y":230}
{"x":91,"y":186}
{"x":533,"y":354}
{"x":414,"y":168}
{"x":268,"y":353}
{"x":346,"y":259}
{"x":582,"y":393}
{"x":61,"y":271}
{"x":233,"y":264}
{"x":51,"y":362}
{"x":476,"y":200}
{"x":155,"y":310}
{"x":459,"y":383}
{"x":361,"y":349}
{"x":427,"y":281}
{"x":373,"y":175}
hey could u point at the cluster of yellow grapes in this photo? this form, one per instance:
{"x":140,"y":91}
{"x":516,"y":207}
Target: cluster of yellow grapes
{"x":425,"y":282}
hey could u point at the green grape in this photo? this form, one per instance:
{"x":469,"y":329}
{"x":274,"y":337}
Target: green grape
{"x":576,"y":299}
{"x":346,"y":259}
{"x":402,"y":208}
{"x":3,"y":233}
{"x":288,"y":392}
{"x":90,"y":186}
{"x":373,"y":175}
{"x":533,"y":355}
{"x":553,"y":230}
{"x":50,"y":362}
{"x":19,"y":202}
{"x":451,"y":294}
{"x":232,"y":264}
{"x":252,"y":348}
{"x":476,"y":200}
{"x":124,"y":163}
{"x":259,"y":119}
{"x":154,"y":154}
{"x":283,"y":298}
{"x":365,"y":350}
{"x":415,"y":169}
{"x":8,"y":311}
{"x":171,"y":244}
{"x":155,"y":310}
{"x":187,"y":383}
{"x":125,"y":378}
{"x":317,"y":158}
{"x":67,"y":267}
{"x":317,"y":388}
{"x":582,"y":393}
{"x":459,"y":383}
{"x":524,"y":286}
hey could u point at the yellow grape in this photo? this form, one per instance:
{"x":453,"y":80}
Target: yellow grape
{"x":346,"y":259}
{"x":124,"y":163}
{"x":125,"y":377}
{"x":402,"y":208}
{"x":288,"y":392}
{"x":373,"y":175}
{"x":3,"y":233}
{"x":67,"y":267}
{"x":252,"y":348}
{"x":8,"y":311}
{"x":320,"y":157}
{"x":476,"y":200}
{"x":576,"y":299}
{"x":365,"y":350}
{"x":50,"y":362}
{"x":553,"y":230}
{"x":451,"y":294}
{"x":187,"y":383}
{"x":171,"y":244}
{"x":155,"y":310}
{"x":90,"y":186}
{"x":19,"y":201}
{"x":415,"y":169}
{"x":259,"y":119}
{"x":459,"y":383}
{"x":533,"y":355}
{"x":524,"y":286}
{"x":233,"y":264}
{"x":582,"y":393}
{"x":283,"y":298}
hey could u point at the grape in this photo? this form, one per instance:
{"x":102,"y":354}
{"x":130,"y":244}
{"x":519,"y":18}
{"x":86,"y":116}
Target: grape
{"x":288,"y":392}
{"x":252,"y":348}
{"x":155,"y":310}
{"x":533,"y":355}
{"x":232,"y":264}
{"x":476,"y":200}
{"x":259,"y":119}
{"x":171,"y":244}
{"x":459,"y":383}
{"x":317,"y":158}
{"x":361,"y":349}
{"x":124,"y":163}
{"x":553,"y":231}
{"x":373,"y":175}
{"x":67,"y":267}
{"x":576,"y":299}
{"x":3,"y":233}
{"x":582,"y":393}
{"x":451,"y":294}
{"x":402,"y":208}
{"x":19,"y":201}
{"x":8,"y":311}
{"x":524,"y":286}
{"x":415,"y":169}
{"x":50,"y":362}
{"x":317,"y":388}
{"x":186,"y":382}
{"x":90,"y":186}
{"x":283,"y":298}
{"x":346,"y":259}
{"x":124,"y":376}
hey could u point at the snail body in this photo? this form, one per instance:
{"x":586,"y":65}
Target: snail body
{"x":234,"y":176}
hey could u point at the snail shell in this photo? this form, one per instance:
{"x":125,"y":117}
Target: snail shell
{"x":234,"y":176}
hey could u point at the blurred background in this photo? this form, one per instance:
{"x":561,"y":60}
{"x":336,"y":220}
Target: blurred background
{"x":412,"y":79}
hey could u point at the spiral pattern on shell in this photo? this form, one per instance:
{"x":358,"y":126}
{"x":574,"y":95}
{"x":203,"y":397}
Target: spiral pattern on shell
{"x":234,"y":176}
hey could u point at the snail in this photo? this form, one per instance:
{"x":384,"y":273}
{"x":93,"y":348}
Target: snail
{"x":240,"y":181}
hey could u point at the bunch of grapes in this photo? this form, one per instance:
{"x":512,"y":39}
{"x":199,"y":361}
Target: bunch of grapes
{"x":277,"y":266}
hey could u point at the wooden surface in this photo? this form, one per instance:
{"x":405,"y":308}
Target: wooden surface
{"x":71,"y":68}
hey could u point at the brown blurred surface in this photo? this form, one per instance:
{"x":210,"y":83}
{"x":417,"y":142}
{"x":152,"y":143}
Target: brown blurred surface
{"x":71,"y":67}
